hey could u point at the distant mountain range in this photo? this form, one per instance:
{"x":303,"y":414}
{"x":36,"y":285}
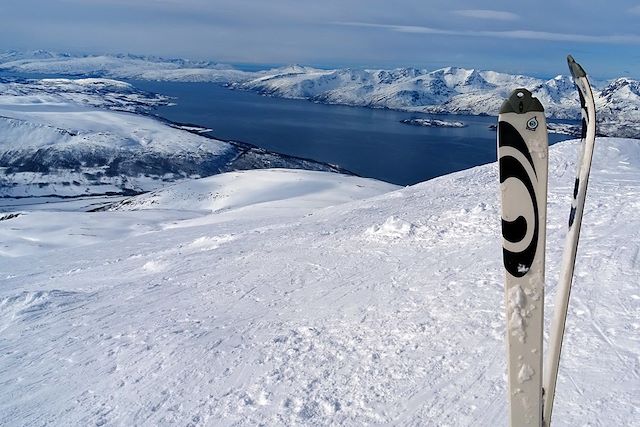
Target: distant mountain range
{"x":70,"y":137}
{"x":447,"y":90}
{"x":451,"y":91}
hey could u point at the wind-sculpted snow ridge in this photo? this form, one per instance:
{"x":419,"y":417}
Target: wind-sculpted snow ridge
{"x":447,"y":90}
{"x":387,"y":310}
{"x":54,"y":142}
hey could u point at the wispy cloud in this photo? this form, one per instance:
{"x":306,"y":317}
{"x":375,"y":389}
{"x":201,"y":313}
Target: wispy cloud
{"x":497,"y":15}
{"x":397,"y":28}
{"x":510,"y":34}
{"x":635,"y":10}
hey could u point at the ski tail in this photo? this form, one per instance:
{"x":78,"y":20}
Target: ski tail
{"x":523,"y":165}
{"x":588,"y":135}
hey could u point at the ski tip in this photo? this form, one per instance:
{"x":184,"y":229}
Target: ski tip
{"x":575,"y":68}
{"x":521,"y":101}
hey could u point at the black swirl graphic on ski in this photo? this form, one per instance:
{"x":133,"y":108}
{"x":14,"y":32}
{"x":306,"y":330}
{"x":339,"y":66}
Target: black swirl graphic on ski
{"x":518,"y":263}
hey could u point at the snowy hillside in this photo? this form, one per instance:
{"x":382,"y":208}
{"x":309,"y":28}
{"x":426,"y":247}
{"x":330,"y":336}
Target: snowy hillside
{"x":242,"y":311}
{"x":279,"y":191}
{"x":447,"y":90}
{"x":92,"y":92}
{"x":55,"y":141}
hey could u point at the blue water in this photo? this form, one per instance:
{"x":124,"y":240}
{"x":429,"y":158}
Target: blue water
{"x":369,"y":142}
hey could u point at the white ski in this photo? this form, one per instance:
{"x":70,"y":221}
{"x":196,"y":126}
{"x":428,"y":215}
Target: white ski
{"x":571,"y":243}
{"x":523,"y":164}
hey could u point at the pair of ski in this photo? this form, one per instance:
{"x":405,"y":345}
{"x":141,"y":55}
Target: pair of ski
{"x":523,"y":164}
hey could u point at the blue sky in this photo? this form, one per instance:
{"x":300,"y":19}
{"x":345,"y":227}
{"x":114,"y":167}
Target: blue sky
{"x":512,"y":36}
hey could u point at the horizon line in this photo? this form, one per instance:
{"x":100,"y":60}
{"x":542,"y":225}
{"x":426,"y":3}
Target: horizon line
{"x":319,"y":65}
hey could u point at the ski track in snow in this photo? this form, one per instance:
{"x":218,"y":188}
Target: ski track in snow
{"x":386,"y":310}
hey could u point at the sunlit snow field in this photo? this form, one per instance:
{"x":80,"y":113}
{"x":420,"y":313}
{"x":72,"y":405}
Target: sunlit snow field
{"x":291,"y":297}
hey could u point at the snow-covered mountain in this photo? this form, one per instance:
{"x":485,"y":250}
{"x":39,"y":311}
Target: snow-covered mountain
{"x":447,"y":90}
{"x":55,"y":141}
{"x":119,"y":66}
{"x":277,"y":298}
{"x":454,"y":90}
{"x":618,"y":104}
{"x":92,"y":92}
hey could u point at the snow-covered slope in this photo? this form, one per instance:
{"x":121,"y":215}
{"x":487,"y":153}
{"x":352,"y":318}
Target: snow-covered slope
{"x":92,"y":92}
{"x":447,"y":90}
{"x":279,"y":191}
{"x":54,"y":141}
{"x":387,"y":310}
{"x":68,"y":150}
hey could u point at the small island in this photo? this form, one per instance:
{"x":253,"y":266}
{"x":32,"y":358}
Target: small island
{"x":564,"y":129}
{"x":559,"y":128}
{"x":191,"y":128}
{"x":433,"y":123}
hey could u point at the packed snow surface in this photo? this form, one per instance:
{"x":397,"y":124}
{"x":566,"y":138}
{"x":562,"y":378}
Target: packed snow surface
{"x":247,"y":300}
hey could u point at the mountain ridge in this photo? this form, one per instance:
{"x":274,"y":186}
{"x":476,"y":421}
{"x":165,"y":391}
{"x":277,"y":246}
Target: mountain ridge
{"x":448,"y":90}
